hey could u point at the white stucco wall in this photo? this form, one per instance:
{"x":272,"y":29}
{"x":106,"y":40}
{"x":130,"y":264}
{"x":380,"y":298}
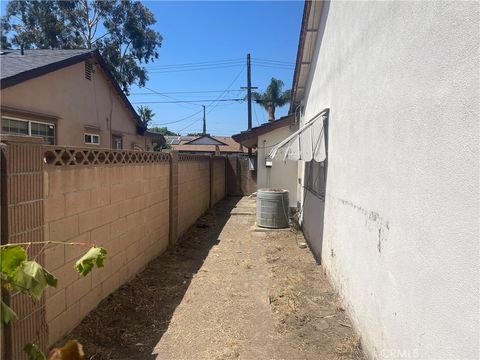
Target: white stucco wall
{"x":283,"y":174}
{"x":401,"y":226}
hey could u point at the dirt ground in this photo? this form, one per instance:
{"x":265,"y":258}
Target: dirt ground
{"x":224,"y":292}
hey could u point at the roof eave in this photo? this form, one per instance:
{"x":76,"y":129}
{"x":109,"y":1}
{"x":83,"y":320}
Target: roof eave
{"x":304,"y":59}
{"x":249,"y":138}
{"x":141,"y":128}
{"x":221,"y":143}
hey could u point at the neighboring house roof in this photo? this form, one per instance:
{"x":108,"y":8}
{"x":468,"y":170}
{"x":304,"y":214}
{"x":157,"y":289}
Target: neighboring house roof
{"x":249,"y":138}
{"x":177,"y":139}
{"x":16,"y":68}
{"x":156,"y":136}
{"x":312,"y":13}
{"x":181,"y":143}
{"x":206,"y":140}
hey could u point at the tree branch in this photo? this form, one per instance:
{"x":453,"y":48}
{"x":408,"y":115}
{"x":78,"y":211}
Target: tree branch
{"x":48,"y":242}
{"x":107,"y":33}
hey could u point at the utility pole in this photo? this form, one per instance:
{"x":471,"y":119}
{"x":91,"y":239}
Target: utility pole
{"x":204,"y":122}
{"x":249,"y":92}
{"x":249,"y":97}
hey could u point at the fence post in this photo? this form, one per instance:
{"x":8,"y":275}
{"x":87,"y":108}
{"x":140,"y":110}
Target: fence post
{"x":210,"y":165}
{"x":173,"y":198}
{"x":225,"y":173}
{"x":22,"y":221}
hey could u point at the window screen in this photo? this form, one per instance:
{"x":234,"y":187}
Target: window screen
{"x":117,"y":142}
{"x":46,"y":131}
{"x":92,"y":139}
{"x":14,"y":127}
{"x":315,"y":177}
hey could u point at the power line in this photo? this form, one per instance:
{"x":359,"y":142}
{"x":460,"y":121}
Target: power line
{"x":184,"y":101}
{"x":200,"y":63}
{"x":193,"y":69}
{"x":186,"y":92}
{"x":275,"y":66}
{"x":223,"y":94}
{"x":186,"y":127}
{"x":168,"y":97}
{"x":179,"y":120}
{"x":273,"y":61}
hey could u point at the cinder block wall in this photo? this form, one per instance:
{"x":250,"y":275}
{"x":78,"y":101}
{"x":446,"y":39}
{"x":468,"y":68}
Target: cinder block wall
{"x":218,"y":179}
{"x":124,"y":208}
{"x":134,"y":204}
{"x":193,"y":189}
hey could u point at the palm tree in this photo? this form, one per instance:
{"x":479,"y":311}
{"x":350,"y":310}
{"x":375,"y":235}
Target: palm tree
{"x":146,"y":114}
{"x":273,"y":97}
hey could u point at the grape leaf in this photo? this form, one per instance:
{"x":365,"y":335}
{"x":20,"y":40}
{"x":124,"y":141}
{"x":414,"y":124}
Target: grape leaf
{"x":33,"y":352}
{"x":7,"y":314}
{"x":11,"y":258}
{"x":32,"y":278}
{"x":72,"y":350}
{"x":94,"y":256}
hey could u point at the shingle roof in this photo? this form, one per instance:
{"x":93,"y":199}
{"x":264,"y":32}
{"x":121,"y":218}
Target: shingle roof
{"x":13,"y":63}
{"x":16,"y":68}
{"x":255,"y":132}
{"x":179,"y":143}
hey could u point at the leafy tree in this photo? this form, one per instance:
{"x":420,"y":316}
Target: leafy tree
{"x":163,"y":130}
{"x":146,"y":114}
{"x":272,"y":98}
{"x":195,"y":134}
{"x":120,"y":30}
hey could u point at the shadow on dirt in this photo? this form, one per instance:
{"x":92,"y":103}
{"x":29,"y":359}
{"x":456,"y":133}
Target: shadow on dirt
{"x":130,"y":322}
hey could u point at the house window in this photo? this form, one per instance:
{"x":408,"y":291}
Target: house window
{"x":316,"y":178}
{"x":117,"y":142}
{"x":16,"y":126}
{"x":92,"y":139}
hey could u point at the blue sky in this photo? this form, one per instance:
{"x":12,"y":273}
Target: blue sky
{"x":201,"y":31}
{"x":209,"y":31}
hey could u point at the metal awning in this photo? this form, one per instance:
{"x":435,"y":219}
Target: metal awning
{"x":306,"y":143}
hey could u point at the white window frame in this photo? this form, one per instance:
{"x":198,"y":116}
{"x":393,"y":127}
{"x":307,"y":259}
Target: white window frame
{"x":92,"y":135}
{"x":30,"y":126}
{"x":115,"y":138}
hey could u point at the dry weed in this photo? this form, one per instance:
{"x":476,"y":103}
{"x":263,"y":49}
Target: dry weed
{"x":350,"y":347}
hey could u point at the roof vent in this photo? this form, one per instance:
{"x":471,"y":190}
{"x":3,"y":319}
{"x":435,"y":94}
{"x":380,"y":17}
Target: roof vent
{"x":88,"y":70}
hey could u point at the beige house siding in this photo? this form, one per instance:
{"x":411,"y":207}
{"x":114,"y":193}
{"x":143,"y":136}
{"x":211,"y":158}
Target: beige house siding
{"x":80,"y":105}
{"x":399,"y":236}
{"x":282,"y":174}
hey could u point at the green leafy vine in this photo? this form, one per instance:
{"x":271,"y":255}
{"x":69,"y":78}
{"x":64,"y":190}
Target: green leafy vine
{"x":19,"y":274}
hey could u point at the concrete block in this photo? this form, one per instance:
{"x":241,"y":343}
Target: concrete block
{"x":63,"y":323}
{"x":78,"y":289}
{"x":64,"y":229}
{"x":54,"y":256}
{"x":73,"y":252}
{"x":55,"y":305}
{"x":54,"y":207}
{"x":100,"y":196}
{"x":77,"y":202}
